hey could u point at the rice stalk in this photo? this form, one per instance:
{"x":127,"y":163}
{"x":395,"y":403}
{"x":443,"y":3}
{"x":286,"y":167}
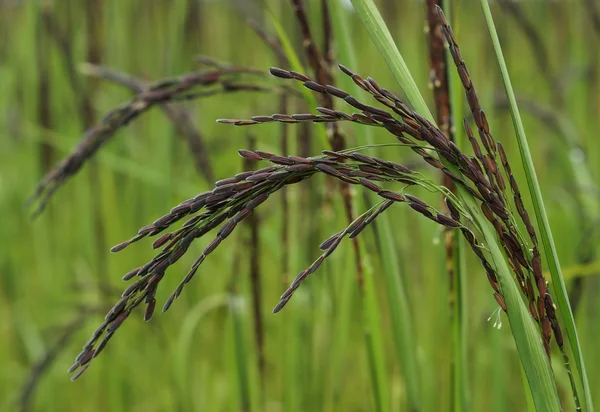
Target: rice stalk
{"x":544,"y":225}
{"x":535,"y":363}
{"x":181,"y":88}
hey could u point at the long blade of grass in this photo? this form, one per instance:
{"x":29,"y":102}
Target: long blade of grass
{"x":381,"y":37}
{"x":401,"y":313}
{"x":527,"y":338}
{"x":460,"y":381}
{"x":560,"y":289}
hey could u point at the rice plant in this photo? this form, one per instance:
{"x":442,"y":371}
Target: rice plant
{"x":482,"y":205}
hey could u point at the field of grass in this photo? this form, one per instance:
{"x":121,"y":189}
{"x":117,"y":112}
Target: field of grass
{"x":334,"y":347}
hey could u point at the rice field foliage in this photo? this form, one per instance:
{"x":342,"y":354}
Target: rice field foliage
{"x":341,"y":342}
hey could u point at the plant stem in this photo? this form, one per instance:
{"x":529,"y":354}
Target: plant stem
{"x":562,"y":297}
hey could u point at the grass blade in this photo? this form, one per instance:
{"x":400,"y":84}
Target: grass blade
{"x":528,"y":340}
{"x":560,"y":290}
{"x":382,"y":39}
{"x":401,"y":312}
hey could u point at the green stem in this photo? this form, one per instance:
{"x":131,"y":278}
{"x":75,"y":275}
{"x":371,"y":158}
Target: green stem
{"x":527,"y":338}
{"x":562,"y":298}
{"x":401,"y":318}
{"x":459,"y":317}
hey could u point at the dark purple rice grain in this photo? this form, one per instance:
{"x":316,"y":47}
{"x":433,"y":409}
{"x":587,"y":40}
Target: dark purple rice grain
{"x":328,"y":170}
{"x":252,"y":204}
{"x":288,"y":292}
{"x":421,"y":209}
{"x":190,"y":275}
{"x":546,"y":328}
{"x":316,"y":264}
{"x":354,"y":103}
{"x":396,"y":197}
{"x":549,"y":305}
{"x":120,"y":246}
{"x":283,"y":74}
{"x":247,"y":154}
{"x":447,"y":221}
{"x":227,"y":181}
{"x":149,"y":310}
{"x":261,"y":119}
{"x":325,"y":245}
{"x":415,"y":199}
{"x":211,"y":246}
{"x":73,"y":367}
{"x":332,"y":247}
{"x":500,"y":301}
{"x":192,"y":221}
{"x":326,"y":111}
{"x":280,"y":175}
{"x":557,"y":334}
{"x":168,"y":303}
{"x":226,"y":229}
{"x":161,"y":240}
{"x":355,"y":224}
{"x":279,"y":306}
{"x":302,"y":167}
{"x":541,"y":306}
{"x":225,"y":190}
{"x":315,"y":86}
{"x":370,"y":169}
{"x":341,"y":115}
{"x":79,"y":373}
{"x":131,"y":273}
{"x":533,"y":312}
{"x":115,"y":324}
{"x":452,"y":209}
{"x":258,"y":177}
{"x":334,"y":91}
{"x":103,"y":343}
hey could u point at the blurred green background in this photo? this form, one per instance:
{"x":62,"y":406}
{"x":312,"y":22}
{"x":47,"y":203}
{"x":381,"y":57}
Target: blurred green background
{"x":57,"y":276}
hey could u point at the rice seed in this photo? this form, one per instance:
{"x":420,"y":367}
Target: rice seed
{"x":541,"y":307}
{"x":250,"y":155}
{"x":557,"y":334}
{"x":325,"y":245}
{"x":280,"y":305}
{"x":396,"y":197}
{"x":161,"y":240}
{"x":254,"y":203}
{"x":332,"y":246}
{"x":103,"y":343}
{"x":211,"y":246}
{"x":282,"y":74}
{"x":79,"y":373}
{"x":114,"y":325}
{"x":452,"y":209}
{"x":500,"y":301}
{"x":120,"y":246}
{"x":447,"y":221}
{"x":546,"y":328}
{"x":319,"y":88}
{"x":424,"y":210}
{"x":168,"y":303}
{"x":226,"y":229}
{"x":334,"y":91}
{"x":533,"y":312}
{"x":149,"y":310}
{"x":131,"y":273}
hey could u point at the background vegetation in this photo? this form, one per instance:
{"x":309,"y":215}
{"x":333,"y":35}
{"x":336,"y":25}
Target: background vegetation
{"x":58,"y":277}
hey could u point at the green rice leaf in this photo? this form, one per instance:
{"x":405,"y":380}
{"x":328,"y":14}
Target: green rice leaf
{"x":527,"y":338}
{"x":561,"y":296}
